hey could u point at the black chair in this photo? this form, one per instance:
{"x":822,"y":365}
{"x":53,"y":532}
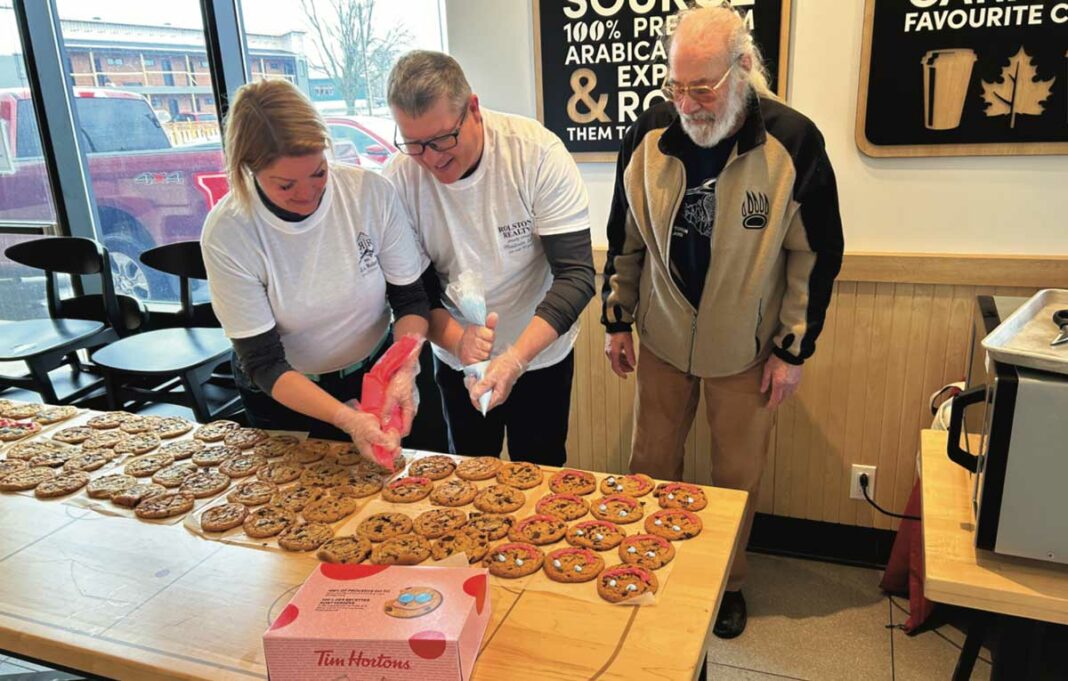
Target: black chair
{"x":49,"y":347}
{"x":174,"y":365}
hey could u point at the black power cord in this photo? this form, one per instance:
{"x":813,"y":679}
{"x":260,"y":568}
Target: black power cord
{"x":864,"y":490}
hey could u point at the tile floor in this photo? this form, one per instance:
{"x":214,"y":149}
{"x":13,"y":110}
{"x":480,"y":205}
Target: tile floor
{"x":812,"y":621}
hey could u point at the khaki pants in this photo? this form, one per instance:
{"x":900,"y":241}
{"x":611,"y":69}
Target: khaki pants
{"x":740,"y":423}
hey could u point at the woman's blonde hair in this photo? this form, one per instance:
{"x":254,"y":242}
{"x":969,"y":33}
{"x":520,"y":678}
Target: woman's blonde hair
{"x":267,"y":120}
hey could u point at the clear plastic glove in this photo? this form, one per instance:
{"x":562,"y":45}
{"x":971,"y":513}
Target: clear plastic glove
{"x":501,"y":374}
{"x":365,"y":430}
{"x":476,"y":344}
{"x":402,"y":391}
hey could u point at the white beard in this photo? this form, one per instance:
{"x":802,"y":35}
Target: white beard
{"x":706,"y":129}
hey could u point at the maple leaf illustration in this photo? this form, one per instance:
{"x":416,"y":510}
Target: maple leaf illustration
{"x":1017,"y":92}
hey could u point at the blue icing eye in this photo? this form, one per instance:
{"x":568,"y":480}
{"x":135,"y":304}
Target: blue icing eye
{"x":423,"y":598}
{"x":405,"y":598}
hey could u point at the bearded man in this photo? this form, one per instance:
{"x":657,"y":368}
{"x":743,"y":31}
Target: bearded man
{"x":724,"y":242}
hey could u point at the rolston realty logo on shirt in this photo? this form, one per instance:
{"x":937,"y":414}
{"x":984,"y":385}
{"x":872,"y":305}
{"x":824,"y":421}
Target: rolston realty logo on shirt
{"x":516,"y":236}
{"x":368,"y":261}
{"x":755,"y":210}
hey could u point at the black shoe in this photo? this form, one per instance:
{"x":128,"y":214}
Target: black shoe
{"x":731,"y":618}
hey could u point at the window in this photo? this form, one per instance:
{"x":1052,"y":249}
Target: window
{"x":25,"y":194}
{"x":359,"y":118}
{"x":148,"y":170}
{"x":150,"y":62}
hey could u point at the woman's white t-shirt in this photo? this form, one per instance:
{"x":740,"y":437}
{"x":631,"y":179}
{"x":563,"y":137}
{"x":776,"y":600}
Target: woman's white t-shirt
{"x":321,"y":281}
{"x":525,"y":187}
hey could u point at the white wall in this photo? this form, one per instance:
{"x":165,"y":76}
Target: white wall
{"x":1001,"y":204}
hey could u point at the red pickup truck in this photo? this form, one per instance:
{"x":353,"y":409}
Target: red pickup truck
{"x":148,"y":192}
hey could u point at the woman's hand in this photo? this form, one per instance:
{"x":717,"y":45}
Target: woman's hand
{"x":365,"y":431}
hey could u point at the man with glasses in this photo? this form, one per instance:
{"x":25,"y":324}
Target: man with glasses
{"x":724,"y":242}
{"x":500,"y":196}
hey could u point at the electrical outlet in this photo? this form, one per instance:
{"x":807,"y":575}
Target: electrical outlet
{"x":854,"y":482}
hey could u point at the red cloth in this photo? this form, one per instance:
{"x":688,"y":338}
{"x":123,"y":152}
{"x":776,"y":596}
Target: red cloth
{"x":904,"y":571}
{"x":373,"y":396}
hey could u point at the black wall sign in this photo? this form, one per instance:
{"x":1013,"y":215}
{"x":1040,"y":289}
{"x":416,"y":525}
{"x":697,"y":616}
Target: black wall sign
{"x":964,"y":77}
{"x":600,"y":62}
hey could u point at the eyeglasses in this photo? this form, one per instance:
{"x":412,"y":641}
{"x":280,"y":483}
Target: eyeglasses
{"x":699,"y":93}
{"x":439,"y":143}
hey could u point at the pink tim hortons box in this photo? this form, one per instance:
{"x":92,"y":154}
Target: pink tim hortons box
{"x":380,"y":622}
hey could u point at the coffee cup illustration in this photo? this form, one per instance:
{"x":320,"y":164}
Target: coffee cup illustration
{"x":946,"y":75}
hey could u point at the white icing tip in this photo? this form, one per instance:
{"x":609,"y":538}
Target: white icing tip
{"x":556,"y":564}
{"x":501,"y":558}
{"x":519,"y":562}
{"x":689,"y":500}
{"x":632,"y":550}
{"x":658,"y":522}
{"x":611,"y":481}
{"x":578,"y":568}
{"x":632,"y":587}
{"x":598,"y":537}
{"x":651,"y":554}
{"x":602,"y":508}
{"x":611,"y":582}
{"x":580,"y":533}
{"x":619,"y":488}
{"x":676,"y":528}
{"x":671,"y":496}
{"x":623,"y":513}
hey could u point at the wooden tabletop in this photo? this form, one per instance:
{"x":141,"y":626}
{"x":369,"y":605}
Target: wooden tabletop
{"x":125,"y":599}
{"x":956,"y":572}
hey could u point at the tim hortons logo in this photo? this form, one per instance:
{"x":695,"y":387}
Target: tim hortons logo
{"x":755,"y":210}
{"x":328,"y":658}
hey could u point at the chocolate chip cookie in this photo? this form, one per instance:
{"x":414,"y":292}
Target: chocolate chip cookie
{"x":8,"y":466}
{"x":49,"y":415}
{"x":407,"y":490}
{"x":330,"y":509}
{"x":205,"y":483}
{"x":382,"y":526}
{"x":513,"y":560}
{"x":681,"y":495}
{"x":267,"y":521}
{"x":223,"y":517}
{"x":144,"y":466}
{"x":674,"y":524}
{"x":617,"y":508}
{"x":636,"y":485}
{"x":165,"y":505}
{"x":132,"y":496}
{"x":305,"y":536}
{"x":325,"y":474}
{"x":520,"y":474}
{"x":297,"y":497}
{"x":404,"y":549}
{"x":493,"y":525}
{"x":345,"y":550}
{"x":215,"y":431}
{"x":473,"y":544}
{"x":308,"y":451}
{"x":573,"y":565}
{"x":75,"y":435}
{"x":599,"y":535}
{"x":624,"y":582}
{"x":646,"y":550}
{"x":564,"y":506}
{"x":175,"y":474}
{"x":499,"y":499}
{"x":242,"y":465}
{"x":252,"y":492}
{"x":61,"y":485}
{"x":479,"y":468}
{"x":245,"y":438}
{"x":26,"y":479}
{"x":108,"y":420}
{"x":571,"y":481}
{"x":28,"y":450}
{"x":276,"y":446}
{"x":53,"y":459}
{"x":107,"y":486}
{"x":436,"y":522}
{"x":436,"y":467}
{"x":280,"y":472}
{"x":454,"y":493}
{"x":181,"y":450}
{"x":538,"y":530}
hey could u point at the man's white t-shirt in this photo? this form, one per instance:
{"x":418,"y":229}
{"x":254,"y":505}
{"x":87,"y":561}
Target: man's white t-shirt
{"x":525,"y":187}
{"x":321,"y":281}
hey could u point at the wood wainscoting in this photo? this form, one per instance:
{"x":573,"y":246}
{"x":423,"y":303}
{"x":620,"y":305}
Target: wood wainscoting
{"x":897,"y":330}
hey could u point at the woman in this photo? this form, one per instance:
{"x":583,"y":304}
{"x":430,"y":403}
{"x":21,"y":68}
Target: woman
{"x":302,"y":256}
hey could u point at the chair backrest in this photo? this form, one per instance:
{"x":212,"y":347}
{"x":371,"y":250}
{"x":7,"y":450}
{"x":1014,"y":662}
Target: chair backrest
{"x":184,"y":260}
{"x":76,"y":256}
{"x":132,"y":317}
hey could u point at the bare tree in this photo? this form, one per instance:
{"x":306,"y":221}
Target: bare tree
{"x":350,"y":51}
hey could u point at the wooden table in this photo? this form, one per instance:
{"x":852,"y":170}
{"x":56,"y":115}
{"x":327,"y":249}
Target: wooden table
{"x":125,"y":599}
{"x":957,"y":573}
